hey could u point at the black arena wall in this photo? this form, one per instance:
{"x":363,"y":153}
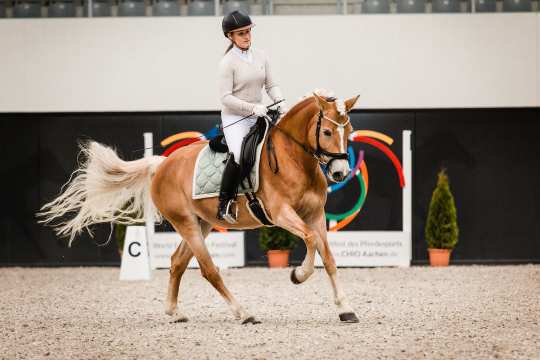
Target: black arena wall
{"x":491,"y":156}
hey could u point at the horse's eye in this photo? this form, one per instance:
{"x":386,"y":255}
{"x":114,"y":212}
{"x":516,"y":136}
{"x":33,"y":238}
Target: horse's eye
{"x":327,"y":132}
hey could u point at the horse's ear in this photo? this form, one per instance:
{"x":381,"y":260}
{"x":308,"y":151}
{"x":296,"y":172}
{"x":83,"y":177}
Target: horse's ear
{"x":349,"y":103}
{"x":323,"y":104}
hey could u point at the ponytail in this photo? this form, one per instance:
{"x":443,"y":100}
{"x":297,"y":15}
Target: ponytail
{"x":229,"y":48}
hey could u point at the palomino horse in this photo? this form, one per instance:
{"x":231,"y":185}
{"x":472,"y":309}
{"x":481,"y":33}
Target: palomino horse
{"x":314,"y":131}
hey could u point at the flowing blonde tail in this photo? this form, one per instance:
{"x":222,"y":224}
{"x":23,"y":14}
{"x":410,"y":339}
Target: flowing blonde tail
{"x":105,"y":188}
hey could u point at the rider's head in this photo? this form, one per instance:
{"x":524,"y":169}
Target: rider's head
{"x":237,"y":28}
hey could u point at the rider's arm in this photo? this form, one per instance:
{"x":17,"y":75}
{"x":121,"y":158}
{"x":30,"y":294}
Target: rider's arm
{"x":270,"y":85}
{"x":228,"y":100}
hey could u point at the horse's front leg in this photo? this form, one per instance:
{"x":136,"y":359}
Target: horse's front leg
{"x":346,"y":313}
{"x":288,"y":219}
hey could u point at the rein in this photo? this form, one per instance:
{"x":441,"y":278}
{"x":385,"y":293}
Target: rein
{"x":317,"y":154}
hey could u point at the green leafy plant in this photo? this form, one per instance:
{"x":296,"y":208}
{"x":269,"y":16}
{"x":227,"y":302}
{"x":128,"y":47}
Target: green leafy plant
{"x":276,"y":238}
{"x":441,"y":230}
{"x":120,"y":235}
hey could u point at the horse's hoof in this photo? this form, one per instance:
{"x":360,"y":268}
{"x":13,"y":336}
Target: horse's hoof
{"x":348,"y":317}
{"x":180,"y":319}
{"x":294,"y":279}
{"x":250,"y":320}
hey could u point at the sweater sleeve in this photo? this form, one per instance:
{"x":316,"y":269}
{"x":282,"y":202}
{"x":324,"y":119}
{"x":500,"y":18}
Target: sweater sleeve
{"x":225,"y":89}
{"x":270,"y":85}
{"x":269,"y":80}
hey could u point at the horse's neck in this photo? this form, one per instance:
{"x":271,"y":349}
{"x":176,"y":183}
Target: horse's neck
{"x":296,"y":121}
{"x":296,"y":125}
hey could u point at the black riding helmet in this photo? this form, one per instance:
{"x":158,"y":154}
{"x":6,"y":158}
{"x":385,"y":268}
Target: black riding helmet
{"x":235,"y":20}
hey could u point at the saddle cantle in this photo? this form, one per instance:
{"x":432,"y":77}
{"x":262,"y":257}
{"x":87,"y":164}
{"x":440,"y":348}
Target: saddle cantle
{"x":219,"y":144}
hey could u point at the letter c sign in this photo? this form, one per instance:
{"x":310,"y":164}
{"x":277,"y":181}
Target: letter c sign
{"x":130,"y":250}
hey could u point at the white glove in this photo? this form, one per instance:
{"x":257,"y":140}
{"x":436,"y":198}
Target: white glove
{"x":283,"y":107}
{"x":259,"y":110}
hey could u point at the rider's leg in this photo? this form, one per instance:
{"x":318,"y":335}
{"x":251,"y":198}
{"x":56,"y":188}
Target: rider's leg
{"x":229,"y":185}
{"x":234,"y":134}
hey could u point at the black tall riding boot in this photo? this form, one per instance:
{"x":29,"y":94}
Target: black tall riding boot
{"x":229,"y":185}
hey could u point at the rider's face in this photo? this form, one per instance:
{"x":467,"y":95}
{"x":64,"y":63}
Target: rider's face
{"x":242,"y":38}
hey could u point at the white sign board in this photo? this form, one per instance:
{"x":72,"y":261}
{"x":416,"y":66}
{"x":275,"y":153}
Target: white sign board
{"x":226,"y":249}
{"x":369,"y":248}
{"x":135,"y":264}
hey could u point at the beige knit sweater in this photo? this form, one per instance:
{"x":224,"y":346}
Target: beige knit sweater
{"x":241,"y":81}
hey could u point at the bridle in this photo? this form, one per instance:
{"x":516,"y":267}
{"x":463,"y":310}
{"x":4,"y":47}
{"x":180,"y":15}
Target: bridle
{"x":319,"y":152}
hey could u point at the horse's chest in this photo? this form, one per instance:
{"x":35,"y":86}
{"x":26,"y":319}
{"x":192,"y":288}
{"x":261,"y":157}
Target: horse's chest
{"x":310,"y":202}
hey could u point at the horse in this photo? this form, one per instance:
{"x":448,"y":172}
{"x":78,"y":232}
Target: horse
{"x":314,"y":131}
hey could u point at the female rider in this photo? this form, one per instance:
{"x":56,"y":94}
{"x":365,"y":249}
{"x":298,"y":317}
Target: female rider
{"x":243,"y":72}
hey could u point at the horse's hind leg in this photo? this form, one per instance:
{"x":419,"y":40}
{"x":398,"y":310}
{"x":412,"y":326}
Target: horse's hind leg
{"x":191,"y":232}
{"x":179,"y":262}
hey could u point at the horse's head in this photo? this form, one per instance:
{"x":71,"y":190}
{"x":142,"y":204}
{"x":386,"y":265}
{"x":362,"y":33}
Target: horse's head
{"x":329,"y":131}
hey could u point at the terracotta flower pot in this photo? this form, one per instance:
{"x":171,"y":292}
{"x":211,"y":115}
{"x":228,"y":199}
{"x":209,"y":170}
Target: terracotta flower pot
{"x":278,"y":258}
{"x":439,"y":257}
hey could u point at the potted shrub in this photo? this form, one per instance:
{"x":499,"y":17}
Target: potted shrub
{"x":277,"y":243}
{"x":120,"y":235}
{"x":441,"y":226}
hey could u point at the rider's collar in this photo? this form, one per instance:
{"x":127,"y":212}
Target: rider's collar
{"x":246,"y":55}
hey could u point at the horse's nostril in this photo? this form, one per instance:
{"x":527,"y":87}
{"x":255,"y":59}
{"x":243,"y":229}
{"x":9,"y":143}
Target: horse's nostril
{"x":338,"y":175}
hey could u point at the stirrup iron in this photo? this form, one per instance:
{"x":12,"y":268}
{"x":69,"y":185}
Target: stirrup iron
{"x":229,"y":216}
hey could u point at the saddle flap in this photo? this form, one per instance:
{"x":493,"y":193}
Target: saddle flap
{"x":248,"y":154}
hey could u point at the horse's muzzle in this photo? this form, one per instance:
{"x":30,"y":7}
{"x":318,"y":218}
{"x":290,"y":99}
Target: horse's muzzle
{"x":338,"y":170}
{"x":338,"y":176}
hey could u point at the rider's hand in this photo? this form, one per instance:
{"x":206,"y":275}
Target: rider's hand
{"x":283,"y":108}
{"x":259,"y":110}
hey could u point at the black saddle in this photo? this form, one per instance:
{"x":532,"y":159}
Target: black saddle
{"x":248,"y":157}
{"x":248,"y":154}
{"x":219,"y":144}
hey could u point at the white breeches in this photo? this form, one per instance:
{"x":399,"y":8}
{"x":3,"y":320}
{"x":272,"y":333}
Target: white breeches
{"x":235,"y":134}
